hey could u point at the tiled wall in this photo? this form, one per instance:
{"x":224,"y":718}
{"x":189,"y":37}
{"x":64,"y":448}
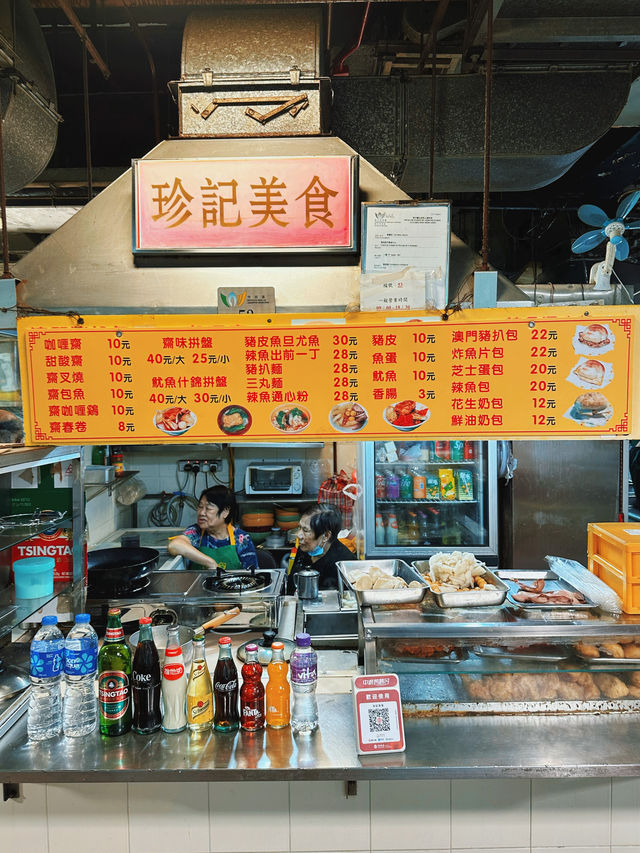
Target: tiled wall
{"x":158,"y":472}
{"x":527,"y":816}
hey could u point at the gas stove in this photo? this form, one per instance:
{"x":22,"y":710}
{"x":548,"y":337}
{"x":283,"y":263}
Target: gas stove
{"x":192,"y":597}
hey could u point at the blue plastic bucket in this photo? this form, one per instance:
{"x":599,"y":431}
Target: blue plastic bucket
{"x":33,"y":576}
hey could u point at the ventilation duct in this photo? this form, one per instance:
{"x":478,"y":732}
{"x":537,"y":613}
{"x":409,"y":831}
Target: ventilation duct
{"x":29,"y":116}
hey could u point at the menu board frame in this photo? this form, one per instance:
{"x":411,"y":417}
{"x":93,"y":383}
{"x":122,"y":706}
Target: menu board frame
{"x":286,"y":211}
{"x":483,"y":374}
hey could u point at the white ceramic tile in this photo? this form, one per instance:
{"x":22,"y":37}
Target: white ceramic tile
{"x":423,"y":850}
{"x":23,"y":822}
{"x":166,"y":817}
{"x":410,"y":815}
{"x":633,"y":848}
{"x":506,"y":803}
{"x":599,"y":849}
{"x":625,"y":812}
{"x":249,"y":816}
{"x":77,"y":812}
{"x":322,"y":818}
{"x":498,"y":849}
{"x":571,"y":812}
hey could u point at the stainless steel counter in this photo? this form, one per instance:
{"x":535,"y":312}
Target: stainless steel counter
{"x":566,"y":746}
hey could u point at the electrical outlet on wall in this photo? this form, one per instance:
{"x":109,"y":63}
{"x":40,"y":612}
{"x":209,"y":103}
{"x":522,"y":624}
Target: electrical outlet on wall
{"x":197,"y":466}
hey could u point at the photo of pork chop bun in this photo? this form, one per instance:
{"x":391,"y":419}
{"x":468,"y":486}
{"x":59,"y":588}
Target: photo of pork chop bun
{"x":589,"y":405}
{"x":594,"y":336}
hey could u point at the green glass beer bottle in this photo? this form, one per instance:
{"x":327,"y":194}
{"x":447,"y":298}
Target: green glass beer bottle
{"x":114,"y":679}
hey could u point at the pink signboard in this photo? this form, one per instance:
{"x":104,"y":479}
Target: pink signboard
{"x":263,"y":204}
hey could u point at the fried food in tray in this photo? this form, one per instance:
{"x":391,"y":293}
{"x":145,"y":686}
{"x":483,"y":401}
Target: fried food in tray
{"x":458,"y":579}
{"x":550,"y":686}
{"x":623,"y":651}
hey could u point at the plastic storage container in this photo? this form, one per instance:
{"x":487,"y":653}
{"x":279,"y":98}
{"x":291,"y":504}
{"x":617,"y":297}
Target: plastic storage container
{"x":614,"y":557}
{"x":33,"y":576}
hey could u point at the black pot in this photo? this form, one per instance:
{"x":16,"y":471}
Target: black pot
{"x":114,"y":572}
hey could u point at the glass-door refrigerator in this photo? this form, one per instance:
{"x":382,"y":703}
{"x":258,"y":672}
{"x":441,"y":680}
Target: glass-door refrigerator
{"x":426,"y":496}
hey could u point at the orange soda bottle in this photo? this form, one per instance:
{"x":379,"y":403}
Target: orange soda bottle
{"x":278,"y":689}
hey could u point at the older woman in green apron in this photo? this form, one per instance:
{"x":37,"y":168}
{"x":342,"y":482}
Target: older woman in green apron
{"x":214,"y":540}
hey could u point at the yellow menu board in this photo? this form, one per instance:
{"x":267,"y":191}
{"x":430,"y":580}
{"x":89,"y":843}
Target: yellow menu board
{"x":541,"y":373}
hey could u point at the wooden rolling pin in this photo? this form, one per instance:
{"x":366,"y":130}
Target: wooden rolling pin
{"x":218,"y":620}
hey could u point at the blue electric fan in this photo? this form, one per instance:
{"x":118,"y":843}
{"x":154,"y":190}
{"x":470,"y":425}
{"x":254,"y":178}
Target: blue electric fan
{"x":606,"y":229}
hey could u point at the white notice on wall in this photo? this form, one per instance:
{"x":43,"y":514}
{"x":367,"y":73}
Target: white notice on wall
{"x":406,"y":235}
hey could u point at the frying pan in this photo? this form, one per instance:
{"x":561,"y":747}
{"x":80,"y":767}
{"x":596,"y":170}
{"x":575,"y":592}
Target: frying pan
{"x":110,"y":570}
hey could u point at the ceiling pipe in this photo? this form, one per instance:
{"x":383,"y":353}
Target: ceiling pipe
{"x":152,"y":68}
{"x":339,"y":68}
{"x":487,"y":138}
{"x":84,"y":38}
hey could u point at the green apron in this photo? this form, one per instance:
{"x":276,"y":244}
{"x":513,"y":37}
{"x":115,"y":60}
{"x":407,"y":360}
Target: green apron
{"x":226,"y":556}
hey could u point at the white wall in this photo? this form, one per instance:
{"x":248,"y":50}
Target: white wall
{"x":527,"y":816}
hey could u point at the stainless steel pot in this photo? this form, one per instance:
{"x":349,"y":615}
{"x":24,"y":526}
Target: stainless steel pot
{"x":307,"y":582}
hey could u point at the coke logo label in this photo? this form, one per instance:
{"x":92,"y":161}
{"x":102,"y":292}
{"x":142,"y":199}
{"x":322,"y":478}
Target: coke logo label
{"x":113,"y":694}
{"x":173,"y":671}
{"x":229,"y":687}
{"x":142,"y":677}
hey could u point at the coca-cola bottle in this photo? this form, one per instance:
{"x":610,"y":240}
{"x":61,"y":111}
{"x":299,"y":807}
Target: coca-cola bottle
{"x":145,"y":678}
{"x":225,"y":689}
{"x":252,"y":692}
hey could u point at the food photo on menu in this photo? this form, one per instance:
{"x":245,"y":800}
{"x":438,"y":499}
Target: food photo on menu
{"x":593,"y":340}
{"x":175,"y":420}
{"x":406,"y":415}
{"x":592,"y":409}
{"x":591,"y":373}
{"x":290,"y":419}
{"x":348,"y":417}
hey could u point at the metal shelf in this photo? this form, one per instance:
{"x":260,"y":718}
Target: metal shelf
{"x":104,"y":487}
{"x":276,"y":499}
{"x":13,"y":536}
{"x":17,"y":458}
{"x":421,"y":502}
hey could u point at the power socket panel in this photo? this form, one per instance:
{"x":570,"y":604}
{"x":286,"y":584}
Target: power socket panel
{"x":203,"y":465}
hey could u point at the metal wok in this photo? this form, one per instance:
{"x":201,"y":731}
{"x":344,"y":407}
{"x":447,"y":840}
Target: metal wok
{"x":112,"y":572}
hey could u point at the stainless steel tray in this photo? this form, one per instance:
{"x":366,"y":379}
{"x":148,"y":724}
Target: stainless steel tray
{"x":394,"y":568}
{"x":464,"y":597}
{"x":605,"y":659}
{"x":552,"y":582}
{"x":555,"y":653}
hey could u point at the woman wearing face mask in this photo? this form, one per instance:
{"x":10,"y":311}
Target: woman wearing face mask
{"x":318,"y":545}
{"x":214,"y":540}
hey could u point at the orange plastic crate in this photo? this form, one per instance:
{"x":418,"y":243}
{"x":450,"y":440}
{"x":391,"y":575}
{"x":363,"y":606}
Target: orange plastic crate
{"x":614,"y":557}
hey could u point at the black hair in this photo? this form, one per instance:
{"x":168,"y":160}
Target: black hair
{"x":223,"y":498}
{"x":324,"y":518}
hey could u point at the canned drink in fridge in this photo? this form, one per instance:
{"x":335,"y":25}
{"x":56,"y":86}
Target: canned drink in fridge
{"x":457,"y":451}
{"x":443,"y":451}
{"x":381,"y":487}
{"x":469,"y":450}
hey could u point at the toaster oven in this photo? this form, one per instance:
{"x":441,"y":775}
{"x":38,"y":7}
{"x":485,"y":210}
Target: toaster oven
{"x":273,"y":479}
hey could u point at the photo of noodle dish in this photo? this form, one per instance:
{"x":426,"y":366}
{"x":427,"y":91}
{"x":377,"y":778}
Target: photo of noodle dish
{"x":290,"y":419}
{"x":174,"y":421}
{"x":406,"y":415}
{"x":348,"y":417}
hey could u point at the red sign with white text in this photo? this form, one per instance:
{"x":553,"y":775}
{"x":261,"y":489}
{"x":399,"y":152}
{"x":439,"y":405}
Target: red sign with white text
{"x":259,"y":204}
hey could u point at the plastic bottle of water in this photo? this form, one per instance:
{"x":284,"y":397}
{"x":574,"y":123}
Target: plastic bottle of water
{"x":304,"y":678}
{"x":80,"y":707}
{"x":44,"y":719}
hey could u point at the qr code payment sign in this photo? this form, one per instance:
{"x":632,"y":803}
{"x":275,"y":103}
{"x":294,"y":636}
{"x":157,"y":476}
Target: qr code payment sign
{"x":379,"y":722}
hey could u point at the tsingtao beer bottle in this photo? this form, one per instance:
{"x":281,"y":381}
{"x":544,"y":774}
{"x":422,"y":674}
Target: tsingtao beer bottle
{"x":225,"y":689}
{"x":145,"y":680}
{"x":114,"y":679}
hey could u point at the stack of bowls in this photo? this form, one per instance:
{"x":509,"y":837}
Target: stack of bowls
{"x":258,"y":524}
{"x":287,"y":518}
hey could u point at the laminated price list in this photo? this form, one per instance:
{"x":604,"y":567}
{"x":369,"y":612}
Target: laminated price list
{"x":478,"y":374}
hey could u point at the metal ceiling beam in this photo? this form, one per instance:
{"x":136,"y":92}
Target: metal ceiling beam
{"x":534,"y":30}
{"x":75,"y":22}
{"x":476,"y":31}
